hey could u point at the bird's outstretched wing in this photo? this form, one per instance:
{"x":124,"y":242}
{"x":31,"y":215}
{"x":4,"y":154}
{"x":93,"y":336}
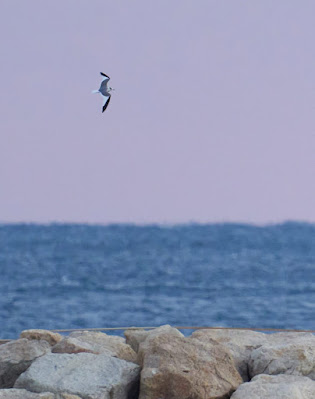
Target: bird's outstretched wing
{"x":106,"y":102}
{"x":105,"y":77}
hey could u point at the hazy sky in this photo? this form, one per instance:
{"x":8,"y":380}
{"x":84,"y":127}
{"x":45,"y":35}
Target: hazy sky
{"x":213,"y":117}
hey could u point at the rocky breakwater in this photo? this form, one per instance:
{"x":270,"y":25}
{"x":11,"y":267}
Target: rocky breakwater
{"x":158,"y":364}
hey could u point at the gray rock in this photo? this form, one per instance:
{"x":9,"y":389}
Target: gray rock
{"x":16,"y":357}
{"x":276,"y":387}
{"x":287,"y":337}
{"x":285,"y":355}
{"x":23,"y":394}
{"x":96,"y":342}
{"x":87,"y":375}
{"x":240,"y":343}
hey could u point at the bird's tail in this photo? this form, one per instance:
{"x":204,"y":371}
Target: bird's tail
{"x":95,"y":91}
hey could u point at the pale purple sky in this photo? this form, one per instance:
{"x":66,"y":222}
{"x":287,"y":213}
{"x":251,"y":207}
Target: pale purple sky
{"x":213,"y":117}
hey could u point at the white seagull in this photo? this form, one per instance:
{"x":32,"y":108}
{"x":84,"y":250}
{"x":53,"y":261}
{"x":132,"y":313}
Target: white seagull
{"x":104,"y":90}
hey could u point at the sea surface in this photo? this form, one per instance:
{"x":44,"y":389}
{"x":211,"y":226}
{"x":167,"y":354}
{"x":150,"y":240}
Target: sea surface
{"x":82,"y":276}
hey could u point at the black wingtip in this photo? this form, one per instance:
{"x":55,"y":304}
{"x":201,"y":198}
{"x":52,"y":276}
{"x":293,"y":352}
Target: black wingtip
{"x":106,"y":104}
{"x":104,"y":74}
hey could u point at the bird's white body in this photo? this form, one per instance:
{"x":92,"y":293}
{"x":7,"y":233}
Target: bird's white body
{"x":104,"y":90}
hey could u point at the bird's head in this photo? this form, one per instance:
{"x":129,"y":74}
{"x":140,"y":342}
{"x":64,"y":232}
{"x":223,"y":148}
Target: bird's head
{"x":111,"y":89}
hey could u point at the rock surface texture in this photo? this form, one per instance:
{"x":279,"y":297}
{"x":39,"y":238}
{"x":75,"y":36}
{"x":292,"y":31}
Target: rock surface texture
{"x":153,"y":334}
{"x":240,"y":343}
{"x":176,"y":367}
{"x":285,"y":354}
{"x":50,"y":337}
{"x":276,"y":387}
{"x":17,"y":356}
{"x":135,"y":337}
{"x":96,"y":342}
{"x":87,"y":375}
{"x":23,"y":394}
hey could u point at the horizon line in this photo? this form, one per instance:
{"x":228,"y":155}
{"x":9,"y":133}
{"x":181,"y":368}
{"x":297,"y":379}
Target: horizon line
{"x":156,"y":224}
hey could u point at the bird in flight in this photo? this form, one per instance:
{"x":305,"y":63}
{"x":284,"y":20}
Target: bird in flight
{"x":104,"y":90}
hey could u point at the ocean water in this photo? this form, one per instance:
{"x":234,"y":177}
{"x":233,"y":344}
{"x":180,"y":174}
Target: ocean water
{"x":78,"y":276}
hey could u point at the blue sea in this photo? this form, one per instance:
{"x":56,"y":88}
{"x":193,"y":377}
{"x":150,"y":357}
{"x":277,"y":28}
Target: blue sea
{"x":61,"y":276}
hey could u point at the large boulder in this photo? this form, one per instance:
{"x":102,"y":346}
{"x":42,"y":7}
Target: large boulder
{"x":285,"y":354}
{"x":239,"y":342}
{"x":45,"y":335}
{"x":176,"y":367}
{"x":23,"y":394}
{"x":276,"y":387}
{"x":96,"y":342}
{"x":134,"y":337}
{"x":87,"y":375}
{"x":165,"y":330}
{"x":16,"y":357}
